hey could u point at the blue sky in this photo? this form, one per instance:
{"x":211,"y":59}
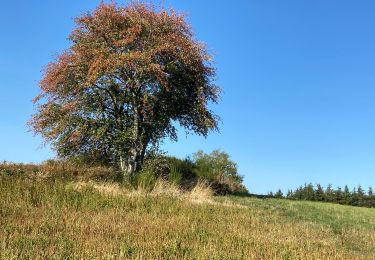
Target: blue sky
{"x":298,"y":80}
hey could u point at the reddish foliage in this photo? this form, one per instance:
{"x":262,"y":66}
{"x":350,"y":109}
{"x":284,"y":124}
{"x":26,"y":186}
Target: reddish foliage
{"x":129,"y":73}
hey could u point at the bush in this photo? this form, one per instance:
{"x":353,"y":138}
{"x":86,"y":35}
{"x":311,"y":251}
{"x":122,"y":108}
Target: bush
{"x":144,"y":180}
{"x":216,"y":169}
{"x":220,"y":171}
{"x":172,"y":169}
{"x":158,"y":164}
{"x":175,"y":176}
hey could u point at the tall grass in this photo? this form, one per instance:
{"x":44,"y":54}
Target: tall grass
{"x":65,"y":219}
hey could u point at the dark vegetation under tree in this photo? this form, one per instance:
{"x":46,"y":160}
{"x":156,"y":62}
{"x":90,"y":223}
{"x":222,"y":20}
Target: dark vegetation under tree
{"x":215,"y":170}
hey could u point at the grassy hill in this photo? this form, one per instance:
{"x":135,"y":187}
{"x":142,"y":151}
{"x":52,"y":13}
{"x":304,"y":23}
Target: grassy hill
{"x":49,"y":218}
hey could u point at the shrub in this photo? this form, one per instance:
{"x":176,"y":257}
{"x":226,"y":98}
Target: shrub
{"x":216,"y":169}
{"x":145,"y":180}
{"x":158,"y":164}
{"x":175,"y":176}
{"x":220,"y":171}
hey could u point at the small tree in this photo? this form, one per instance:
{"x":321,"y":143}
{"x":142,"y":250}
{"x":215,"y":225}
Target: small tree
{"x":130,"y":73}
{"x":354,"y":197}
{"x":330,"y":195}
{"x":370,"y":198}
{"x":216,"y":166}
{"x":289,"y":194}
{"x":338,"y":195}
{"x":360,"y":195}
{"x":346,"y":195}
{"x":310,"y":193}
{"x":360,"y":191}
{"x":319,"y":193}
{"x":370,"y":192}
{"x":279,"y":194}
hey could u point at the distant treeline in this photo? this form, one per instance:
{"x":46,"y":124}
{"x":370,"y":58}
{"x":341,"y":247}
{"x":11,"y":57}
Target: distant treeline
{"x":357,"y":197}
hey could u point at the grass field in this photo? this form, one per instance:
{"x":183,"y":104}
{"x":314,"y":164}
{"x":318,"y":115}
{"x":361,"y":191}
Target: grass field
{"x":65,"y":220}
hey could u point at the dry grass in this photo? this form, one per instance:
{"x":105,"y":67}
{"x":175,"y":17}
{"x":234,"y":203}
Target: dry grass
{"x":166,"y":188}
{"x":201,"y":193}
{"x":42,"y":219}
{"x":112,"y":189}
{"x":58,"y":169}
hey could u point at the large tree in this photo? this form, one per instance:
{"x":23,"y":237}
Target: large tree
{"x":130,"y":73}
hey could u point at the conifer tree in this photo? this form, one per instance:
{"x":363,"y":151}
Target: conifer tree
{"x":279,"y":194}
{"x":329,"y":193}
{"x":319,"y":193}
{"x":370,"y":192}
{"x":338,"y":195}
{"x":346,"y":195}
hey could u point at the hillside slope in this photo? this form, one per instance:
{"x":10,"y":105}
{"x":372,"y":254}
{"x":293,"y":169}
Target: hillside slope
{"x":44,"y":219}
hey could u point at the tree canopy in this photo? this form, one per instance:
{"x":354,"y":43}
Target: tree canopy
{"x":216,"y":165}
{"x":129,"y":74}
{"x":357,"y":197}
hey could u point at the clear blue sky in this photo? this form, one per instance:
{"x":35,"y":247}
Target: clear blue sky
{"x":298,"y":80}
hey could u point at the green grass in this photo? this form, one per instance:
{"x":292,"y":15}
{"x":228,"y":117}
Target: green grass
{"x":337,"y":217}
{"x":54,"y":219}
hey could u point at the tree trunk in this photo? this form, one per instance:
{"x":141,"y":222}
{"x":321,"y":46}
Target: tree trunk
{"x":136,"y":143}
{"x":131,"y":164}
{"x":133,"y":161}
{"x":122,"y":163}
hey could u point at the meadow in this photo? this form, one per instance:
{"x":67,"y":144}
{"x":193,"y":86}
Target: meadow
{"x":57,"y":218}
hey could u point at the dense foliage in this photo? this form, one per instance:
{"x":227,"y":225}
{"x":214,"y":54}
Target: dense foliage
{"x":130,"y":73}
{"x":356,"y":197}
{"x":215,"y":170}
{"x":219,"y":169}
